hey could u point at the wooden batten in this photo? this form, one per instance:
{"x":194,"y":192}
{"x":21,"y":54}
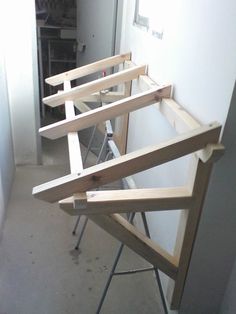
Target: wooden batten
{"x":104,"y":113}
{"x":177,"y":116}
{"x":122,"y":230}
{"x":76,"y":164}
{"x":136,"y":200}
{"x":102,"y":97}
{"x":128,"y":164}
{"x":88,"y":69}
{"x":95,"y":86}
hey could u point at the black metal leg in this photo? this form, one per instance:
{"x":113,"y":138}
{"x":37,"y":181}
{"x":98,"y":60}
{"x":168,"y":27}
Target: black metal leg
{"x":81,"y":233}
{"x":155,"y":269}
{"x":131,"y":218}
{"x":76,"y":225}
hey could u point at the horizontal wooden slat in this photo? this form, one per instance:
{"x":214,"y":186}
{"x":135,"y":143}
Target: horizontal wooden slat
{"x":88,"y":69}
{"x":123,"y":201}
{"x":128,"y":164}
{"x":104,"y":113}
{"x":95,"y":86}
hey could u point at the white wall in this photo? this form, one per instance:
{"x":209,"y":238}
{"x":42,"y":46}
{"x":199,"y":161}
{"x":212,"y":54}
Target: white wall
{"x":18,"y":22}
{"x":197,"y":55}
{"x":7,"y":167}
{"x":95,"y":28}
{"x":229,"y":303}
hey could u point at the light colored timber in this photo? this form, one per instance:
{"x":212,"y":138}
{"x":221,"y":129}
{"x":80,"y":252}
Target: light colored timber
{"x":95,"y":86}
{"x":128,"y":164}
{"x":136,"y":200}
{"x":104,"y":113}
{"x":82,"y":107}
{"x":123,"y":231}
{"x":177,"y":116}
{"x":122,"y":122}
{"x":76,"y":164}
{"x":192,"y":218}
{"x":88,"y":69}
{"x":67,"y":206}
{"x":212,"y":152}
{"x":106,"y":97}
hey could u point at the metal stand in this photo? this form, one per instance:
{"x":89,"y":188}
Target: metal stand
{"x":134,"y":271}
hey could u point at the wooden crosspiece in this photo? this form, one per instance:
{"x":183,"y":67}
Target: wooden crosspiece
{"x":73,"y":192}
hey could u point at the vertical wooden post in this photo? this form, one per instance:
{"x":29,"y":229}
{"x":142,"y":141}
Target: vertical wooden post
{"x":188,"y":228}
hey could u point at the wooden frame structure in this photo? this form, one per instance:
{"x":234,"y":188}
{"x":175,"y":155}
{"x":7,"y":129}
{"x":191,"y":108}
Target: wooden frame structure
{"x":73,"y":192}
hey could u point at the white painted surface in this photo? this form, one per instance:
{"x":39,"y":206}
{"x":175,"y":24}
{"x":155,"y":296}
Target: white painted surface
{"x":7,"y":167}
{"x":197,"y":55}
{"x":95,"y":28}
{"x":229,"y":303}
{"x":22,"y":77}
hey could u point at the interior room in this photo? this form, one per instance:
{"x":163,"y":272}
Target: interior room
{"x":117,"y":175}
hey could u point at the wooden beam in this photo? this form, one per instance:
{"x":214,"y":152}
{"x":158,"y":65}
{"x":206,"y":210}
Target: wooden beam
{"x":88,"y":69}
{"x":177,"y":116}
{"x":67,"y":206}
{"x":95,"y":86}
{"x":82,"y":107}
{"x":199,"y":187}
{"x":123,"y":231}
{"x":128,"y":164}
{"x":104,"y":113}
{"x":124,"y":201}
{"x":76,"y":164}
{"x":106,"y":98}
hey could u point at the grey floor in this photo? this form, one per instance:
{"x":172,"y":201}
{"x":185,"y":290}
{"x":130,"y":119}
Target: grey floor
{"x":41,"y":273}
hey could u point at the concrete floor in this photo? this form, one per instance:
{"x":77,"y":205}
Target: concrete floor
{"x":41,"y":273}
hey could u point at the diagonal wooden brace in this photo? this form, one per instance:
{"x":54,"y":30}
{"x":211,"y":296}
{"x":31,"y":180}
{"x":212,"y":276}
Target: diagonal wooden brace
{"x":128,"y":164}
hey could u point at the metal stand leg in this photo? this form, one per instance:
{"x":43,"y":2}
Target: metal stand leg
{"x":155,"y":269}
{"x":114,"y":273}
{"x":90,"y":144}
{"x":76,"y":225}
{"x":81,"y":233}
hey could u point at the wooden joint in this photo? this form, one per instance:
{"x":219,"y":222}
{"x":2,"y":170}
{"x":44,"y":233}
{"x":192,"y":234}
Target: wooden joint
{"x":212,"y":153}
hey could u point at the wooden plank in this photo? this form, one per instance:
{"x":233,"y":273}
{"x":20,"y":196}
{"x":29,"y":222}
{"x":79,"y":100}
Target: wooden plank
{"x":123,"y":231}
{"x":192,"y":220}
{"x":88,"y":69}
{"x":121,"y":132}
{"x":106,"y":98}
{"x":95,"y":86}
{"x":82,"y":107}
{"x":124,"y":201}
{"x":107,"y":112}
{"x":76,"y":164}
{"x":177,"y":116}
{"x":67,"y":206}
{"x":128,"y":164}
